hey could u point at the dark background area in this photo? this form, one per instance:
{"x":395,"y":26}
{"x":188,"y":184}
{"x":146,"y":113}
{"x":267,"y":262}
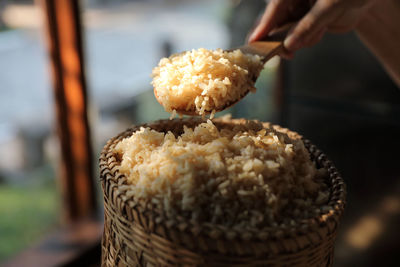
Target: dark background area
{"x":339,"y":96}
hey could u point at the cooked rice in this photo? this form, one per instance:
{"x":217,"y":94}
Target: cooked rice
{"x":243,"y":176}
{"x":204,"y":80}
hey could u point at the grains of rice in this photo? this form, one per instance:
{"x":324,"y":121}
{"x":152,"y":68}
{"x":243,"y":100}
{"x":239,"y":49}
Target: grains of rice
{"x":204,"y":80}
{"x":241,"y":176}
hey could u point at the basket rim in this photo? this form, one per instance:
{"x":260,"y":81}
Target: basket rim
{"x":326,"y":221}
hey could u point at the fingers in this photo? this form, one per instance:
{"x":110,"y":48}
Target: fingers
{"x":275,"y":12}
{"x":311,"y":41}
{"x":314,"y":39}
{"x":311,"y":27}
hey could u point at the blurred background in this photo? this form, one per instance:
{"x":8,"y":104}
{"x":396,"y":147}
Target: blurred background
{"x":336,"y":94}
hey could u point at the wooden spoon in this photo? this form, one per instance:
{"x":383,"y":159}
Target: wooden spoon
{"x":272,"y":46}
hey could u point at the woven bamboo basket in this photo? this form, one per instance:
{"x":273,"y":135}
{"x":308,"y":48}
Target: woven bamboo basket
{"x":133,"y":238}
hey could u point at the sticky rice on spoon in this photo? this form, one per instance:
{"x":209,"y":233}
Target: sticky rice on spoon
{"x":202,"y":81}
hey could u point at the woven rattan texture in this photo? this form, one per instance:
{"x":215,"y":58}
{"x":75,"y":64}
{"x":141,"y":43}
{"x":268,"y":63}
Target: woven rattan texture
{"x":133,"y":238}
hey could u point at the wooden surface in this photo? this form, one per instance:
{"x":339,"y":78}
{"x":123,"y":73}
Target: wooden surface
{"x":77,"y":244}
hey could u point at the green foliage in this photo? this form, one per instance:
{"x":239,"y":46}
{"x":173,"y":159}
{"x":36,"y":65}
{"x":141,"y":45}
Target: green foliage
{"x":26,"y":213}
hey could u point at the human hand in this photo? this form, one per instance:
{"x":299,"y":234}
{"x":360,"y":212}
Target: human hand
{"x":315,"y":18}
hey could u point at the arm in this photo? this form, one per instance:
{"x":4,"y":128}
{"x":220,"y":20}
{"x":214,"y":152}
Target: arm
{"x":375,"y":21}
{"x":379,"y":30}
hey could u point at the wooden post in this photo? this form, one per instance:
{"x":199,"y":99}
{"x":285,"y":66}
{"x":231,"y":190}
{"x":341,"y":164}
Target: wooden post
{"x":67,"y":65}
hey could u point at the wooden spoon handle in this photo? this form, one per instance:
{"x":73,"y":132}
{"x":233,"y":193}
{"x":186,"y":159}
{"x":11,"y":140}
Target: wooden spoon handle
{"x":271,"y":45}
{"x":264,"y":49}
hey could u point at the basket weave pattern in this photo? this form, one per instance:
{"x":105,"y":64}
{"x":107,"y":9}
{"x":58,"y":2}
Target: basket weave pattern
{"x":133,"y":238}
